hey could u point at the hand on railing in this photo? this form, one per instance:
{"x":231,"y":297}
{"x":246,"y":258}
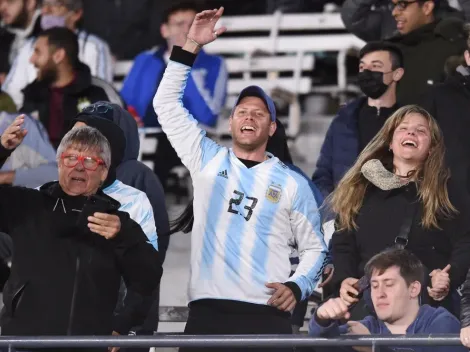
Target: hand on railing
{"x":114,"y":349}
{"x":356,"y":328}
{"x":465,"y":336}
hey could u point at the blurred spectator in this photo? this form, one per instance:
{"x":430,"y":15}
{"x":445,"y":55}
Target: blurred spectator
{"x":398,"y":188}
{"x":465,"y":313}
{"x":93,"y":51}
{"x":446,"y":102}
{"x":381,"y":68}
{"x":373,"y":20}
{"x":396,"y":279}
{"x":33,"y":163}
{"x":20,"y":21}
{"x":426,"y":43}
{"x":129,"y":26}
{"x":204,"y":95}
{"x":63,"y":86}
{"x":134,"y":173}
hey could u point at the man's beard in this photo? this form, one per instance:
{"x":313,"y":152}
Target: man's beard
{"x":48,"y":74}
{"x":21,"y":21}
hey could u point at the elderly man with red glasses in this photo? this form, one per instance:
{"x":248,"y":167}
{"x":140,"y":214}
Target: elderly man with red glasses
{"x":72,"y":246}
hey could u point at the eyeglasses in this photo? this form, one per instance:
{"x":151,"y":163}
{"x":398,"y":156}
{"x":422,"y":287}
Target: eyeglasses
{"x":402,"y":5}
{"x":103,"y":110}
{"x":90,"y":163}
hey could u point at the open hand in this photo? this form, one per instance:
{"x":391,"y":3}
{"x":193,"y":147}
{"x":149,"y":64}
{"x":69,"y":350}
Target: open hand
{"x":106,"y":225}
{"x":202,"y":30}
{"x":14,"y":134}
{"x":283,"y":297}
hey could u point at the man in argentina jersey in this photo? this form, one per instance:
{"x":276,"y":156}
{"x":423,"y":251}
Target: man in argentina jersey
{"x":249,"y":209}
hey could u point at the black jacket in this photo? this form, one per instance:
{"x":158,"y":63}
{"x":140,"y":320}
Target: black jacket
{"x":379,"y":222}
{"x":465,"y":303}
{"x":448,"y":103}
{"x":65,"y":281}
{"x":372,"y":19}
{"x":128,"y":26}
{"x":425,"y":53}
{"x":81,"y":91}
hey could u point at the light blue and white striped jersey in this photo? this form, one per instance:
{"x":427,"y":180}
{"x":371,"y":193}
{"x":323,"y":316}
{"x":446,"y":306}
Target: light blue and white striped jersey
{"x":245,"y":219}
{"x":137,"y":205}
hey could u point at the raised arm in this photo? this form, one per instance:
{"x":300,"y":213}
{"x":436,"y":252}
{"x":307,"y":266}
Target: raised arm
{"x":188,"y":140}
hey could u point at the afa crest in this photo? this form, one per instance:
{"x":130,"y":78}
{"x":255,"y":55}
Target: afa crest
{"x":273,"y":194}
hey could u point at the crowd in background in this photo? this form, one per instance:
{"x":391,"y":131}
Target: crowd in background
{"x":393,"y":172}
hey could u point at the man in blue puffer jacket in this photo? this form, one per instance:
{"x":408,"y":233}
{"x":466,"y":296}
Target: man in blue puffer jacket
{"x":205,"y":93}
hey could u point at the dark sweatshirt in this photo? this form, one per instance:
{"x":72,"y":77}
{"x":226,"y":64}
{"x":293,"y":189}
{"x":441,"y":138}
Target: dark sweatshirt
{"x":428,"y":321}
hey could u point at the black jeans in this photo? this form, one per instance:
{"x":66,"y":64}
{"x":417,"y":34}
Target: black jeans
{"x":206,"y":320}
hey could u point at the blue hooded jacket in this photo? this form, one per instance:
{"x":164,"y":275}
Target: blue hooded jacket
{"x":428,"y":321}
{"x":340,"y":148}
{"x":204,"y":95}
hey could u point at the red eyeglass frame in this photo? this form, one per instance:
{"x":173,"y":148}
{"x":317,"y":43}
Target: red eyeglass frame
{"x":81,"y":159}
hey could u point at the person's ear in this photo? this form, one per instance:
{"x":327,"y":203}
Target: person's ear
{"x":428,"y":7}
{"x":467,"y":57}
{"x":415,"y":289}
{"x":58,"y":56}
{"x":164,"y":31}
{"x":272,"y":128}
{"x":398,"y":74}
{"x":31,"y":5}
{"x":74,"y":17}
{"x":104,"y":174}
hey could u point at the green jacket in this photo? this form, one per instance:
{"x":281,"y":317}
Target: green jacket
{"x":6,"y":103}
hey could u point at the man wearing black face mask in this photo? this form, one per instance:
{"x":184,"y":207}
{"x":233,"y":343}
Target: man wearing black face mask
{"x":380,"y":69}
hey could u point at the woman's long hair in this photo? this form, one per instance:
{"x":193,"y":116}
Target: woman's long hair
{"x":431,"y":177}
